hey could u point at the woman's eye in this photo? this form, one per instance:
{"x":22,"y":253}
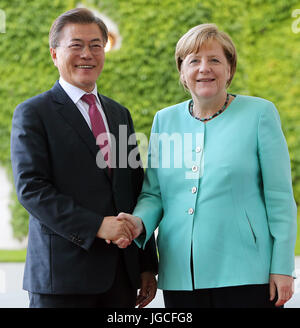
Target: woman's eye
{"x":215,"y":60}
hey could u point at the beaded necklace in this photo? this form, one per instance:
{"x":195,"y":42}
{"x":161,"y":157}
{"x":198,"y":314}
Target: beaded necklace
{"x":212,"y":116}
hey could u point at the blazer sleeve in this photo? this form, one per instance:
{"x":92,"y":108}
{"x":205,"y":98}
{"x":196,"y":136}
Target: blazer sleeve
{"x":148,"y":256}
{"x":149,"y":206}
{"x":32,"y":173}
{"x":278,"y":193}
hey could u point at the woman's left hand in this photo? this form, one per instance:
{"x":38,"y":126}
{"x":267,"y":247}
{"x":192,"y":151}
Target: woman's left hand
{"x":284,"y":286}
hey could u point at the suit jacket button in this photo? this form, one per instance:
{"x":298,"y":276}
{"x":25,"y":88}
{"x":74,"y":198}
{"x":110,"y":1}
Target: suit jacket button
{"x":75,"y":239}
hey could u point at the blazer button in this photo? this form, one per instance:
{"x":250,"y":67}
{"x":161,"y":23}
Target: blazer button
{"x":75,"y":239}
{"x":194,"y":168}
{"x":191,"y":211}
{"x":194,"y":190}
{"x":198,"y":149}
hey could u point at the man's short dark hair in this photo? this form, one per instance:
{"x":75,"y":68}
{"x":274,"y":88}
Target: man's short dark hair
{"x":75,"y":16}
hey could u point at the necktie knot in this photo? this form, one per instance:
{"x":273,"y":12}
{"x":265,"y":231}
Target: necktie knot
{"x":89,"y":99}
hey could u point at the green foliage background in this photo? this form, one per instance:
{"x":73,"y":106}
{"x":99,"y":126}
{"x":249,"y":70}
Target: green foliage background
{"x":142,"y":73}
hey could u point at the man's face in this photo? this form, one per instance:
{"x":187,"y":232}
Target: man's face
{"x":80,"y":55}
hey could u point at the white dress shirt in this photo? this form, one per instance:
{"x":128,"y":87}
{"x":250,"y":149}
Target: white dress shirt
{"x":75,"y":94}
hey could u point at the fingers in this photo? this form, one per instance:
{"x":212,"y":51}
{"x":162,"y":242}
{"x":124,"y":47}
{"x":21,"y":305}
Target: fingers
{"x":141,"y":300}
{"x":121,"y":230}
{"x":127,"y":230}
{"x":131,"y":225}
{"x":284,"y":285}
{"x":284,"y":294}
{"x":129,"y":221}
{"x":144,"y":299}
{"x":135,"y":223}
{"x":148,"y":289}
{"x":272,"y":290}
{"x":122,"y":242}
{"x":128,"y":218}
{"x":112,"y":229}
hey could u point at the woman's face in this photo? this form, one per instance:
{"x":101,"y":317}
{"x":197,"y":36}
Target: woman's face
{"x":206,"y":73}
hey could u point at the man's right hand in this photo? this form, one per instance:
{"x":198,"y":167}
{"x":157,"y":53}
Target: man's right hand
{"x":136,"y":226}
{"x":134,"y":223}
{"x":113,"y":229}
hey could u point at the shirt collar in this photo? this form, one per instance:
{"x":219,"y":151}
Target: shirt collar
{"x":74,"y":92}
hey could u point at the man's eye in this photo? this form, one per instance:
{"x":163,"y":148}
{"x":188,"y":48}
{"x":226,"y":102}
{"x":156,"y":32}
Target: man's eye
{"x":75,"y":46}
{"x":96,"y":47}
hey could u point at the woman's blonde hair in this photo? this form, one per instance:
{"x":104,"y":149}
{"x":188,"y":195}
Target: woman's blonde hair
{"x":196,"y":37}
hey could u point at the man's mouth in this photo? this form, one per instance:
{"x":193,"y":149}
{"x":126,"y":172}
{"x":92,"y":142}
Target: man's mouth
{"x":84,"y":66}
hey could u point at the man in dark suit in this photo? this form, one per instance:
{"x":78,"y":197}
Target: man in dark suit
{"x":72,"y":199}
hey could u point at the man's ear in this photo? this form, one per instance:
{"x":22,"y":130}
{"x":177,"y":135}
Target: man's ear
{"x":53,"y":55}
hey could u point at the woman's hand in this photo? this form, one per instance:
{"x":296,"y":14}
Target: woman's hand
{"x":113,"y":229}
{"x":134,"y":225}
{"x":284,"y":286}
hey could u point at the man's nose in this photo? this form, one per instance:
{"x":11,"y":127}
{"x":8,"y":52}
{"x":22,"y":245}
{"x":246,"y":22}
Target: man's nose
{"x":86,"y":52}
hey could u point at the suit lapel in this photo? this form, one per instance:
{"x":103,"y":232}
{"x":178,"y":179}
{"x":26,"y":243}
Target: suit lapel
{"x":68,"y":110}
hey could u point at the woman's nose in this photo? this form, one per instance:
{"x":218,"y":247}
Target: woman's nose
{"x":204,"y":66}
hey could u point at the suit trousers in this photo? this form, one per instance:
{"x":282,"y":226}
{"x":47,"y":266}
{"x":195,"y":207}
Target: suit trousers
{"x":246,"y":296}
{"x":121,"y":295}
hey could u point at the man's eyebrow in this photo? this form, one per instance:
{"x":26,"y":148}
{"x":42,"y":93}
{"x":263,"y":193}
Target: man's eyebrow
{"x":93,"y":40}
{"x":97,"y":39}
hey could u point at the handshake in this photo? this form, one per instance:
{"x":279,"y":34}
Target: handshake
{"x":121,"y":229}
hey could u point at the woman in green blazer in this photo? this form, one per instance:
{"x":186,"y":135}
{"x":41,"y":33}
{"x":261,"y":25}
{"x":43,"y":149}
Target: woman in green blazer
{"x":218,"y":186}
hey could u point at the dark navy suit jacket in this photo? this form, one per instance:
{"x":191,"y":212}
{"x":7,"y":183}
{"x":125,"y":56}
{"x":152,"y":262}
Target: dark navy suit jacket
{"x":57,"y":180}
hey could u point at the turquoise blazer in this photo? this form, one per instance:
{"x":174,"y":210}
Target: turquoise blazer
{"x":220,"y":192}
